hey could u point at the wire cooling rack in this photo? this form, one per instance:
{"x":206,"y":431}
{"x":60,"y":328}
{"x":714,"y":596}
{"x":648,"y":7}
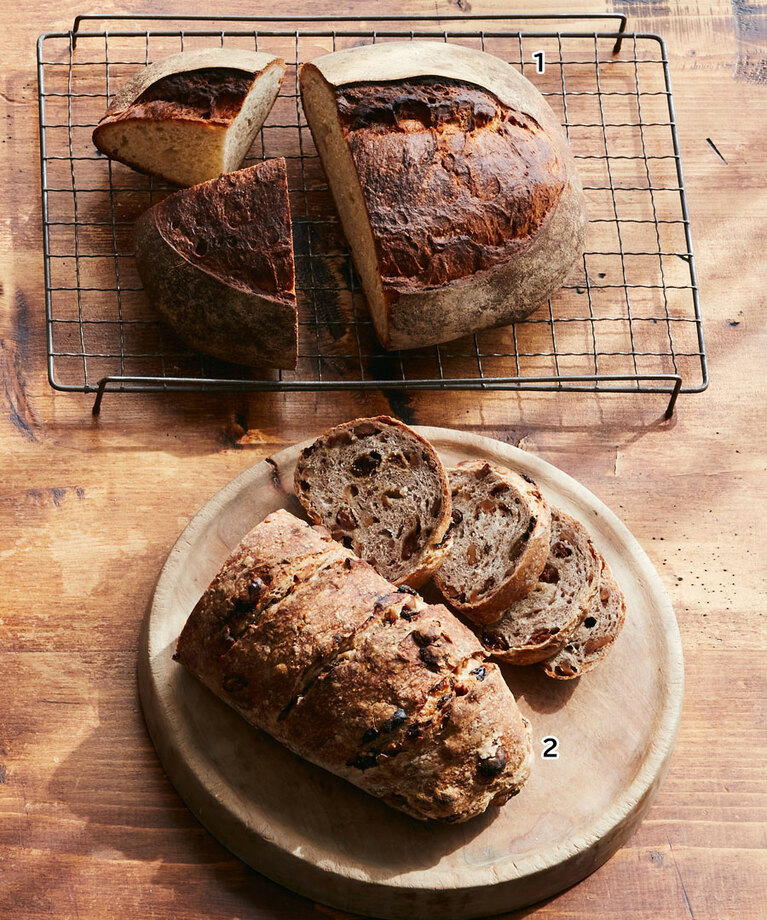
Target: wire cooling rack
{"x":627,"y":321}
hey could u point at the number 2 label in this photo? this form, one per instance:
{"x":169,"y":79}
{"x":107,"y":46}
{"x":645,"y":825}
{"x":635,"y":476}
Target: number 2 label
{"x":540,"y":61}
{"x":550,"y":748}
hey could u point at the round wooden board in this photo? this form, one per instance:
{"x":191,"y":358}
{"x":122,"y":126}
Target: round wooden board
{"x":322,"y":837}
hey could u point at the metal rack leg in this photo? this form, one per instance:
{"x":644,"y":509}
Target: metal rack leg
{"x":674,"y":394}
{"x":99,"y":395}
{"x":619,"y":39}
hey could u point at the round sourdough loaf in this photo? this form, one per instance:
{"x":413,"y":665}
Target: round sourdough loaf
{"x":190,"y":116}
{"x":454,"y":182}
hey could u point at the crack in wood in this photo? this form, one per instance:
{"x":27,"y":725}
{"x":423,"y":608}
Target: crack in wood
{"x":713,"y":146}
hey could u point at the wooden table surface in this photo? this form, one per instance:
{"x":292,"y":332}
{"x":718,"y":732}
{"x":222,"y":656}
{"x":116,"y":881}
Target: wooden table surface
{"x":89,"y":825}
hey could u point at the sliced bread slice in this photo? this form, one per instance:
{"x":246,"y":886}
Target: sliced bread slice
{"x":193,"y":115}
{"x":382,"y":490}
{"x":217,"y":262}
{"x":501,"y":534}
{"x":595,"y":634}
{"x":535,"y":626}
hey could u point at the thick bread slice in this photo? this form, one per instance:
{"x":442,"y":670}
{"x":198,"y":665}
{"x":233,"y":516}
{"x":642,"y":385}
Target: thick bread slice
{"x":533,"y":627}
{"x":382,"y":490}
{"x":595,"y":634}
{"x":217,"y":262}
{"x":455,"y":185}
{"x":501,"y":534}
{"x":308,"y":642}
{"x":191,"y":116}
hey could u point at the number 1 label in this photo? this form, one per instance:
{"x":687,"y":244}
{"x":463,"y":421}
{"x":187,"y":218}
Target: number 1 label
{"x":540,"y":61}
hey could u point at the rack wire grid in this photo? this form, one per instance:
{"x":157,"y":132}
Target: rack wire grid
{"x":628,"y":320}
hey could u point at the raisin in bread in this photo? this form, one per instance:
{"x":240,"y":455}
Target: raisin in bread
{"x":309,"y":643}
{"x":191,"y":116}
{"x":532,"y":628}
{"x":382,"y":490}
{"x":594,"y":635}
{"x":216,"y":260}
{"x":501,"y":534}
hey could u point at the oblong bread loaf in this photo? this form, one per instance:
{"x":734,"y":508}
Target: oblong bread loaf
{"x":309,"y":643}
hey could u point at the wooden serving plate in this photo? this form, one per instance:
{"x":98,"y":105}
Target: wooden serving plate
{"x":322,"y":837}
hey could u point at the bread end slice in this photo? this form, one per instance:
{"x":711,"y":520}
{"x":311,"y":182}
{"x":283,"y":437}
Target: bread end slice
{"x":594,"y":637}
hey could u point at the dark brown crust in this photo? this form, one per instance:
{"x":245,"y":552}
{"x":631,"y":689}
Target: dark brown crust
{"x":217,"y":261}
{"x":383,"y":685}
{"x":212,"y":94}
{"x":236,"y":228}
{"x":291,"y":634}
{"x":455,"y":182}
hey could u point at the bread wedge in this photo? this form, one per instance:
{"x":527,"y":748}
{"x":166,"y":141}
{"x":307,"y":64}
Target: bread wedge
{"x":382,"y":490}
{"x":191,"y":116}
{"x":217,"y":262}
{"x":532,"y":628}
{"x":454,"y":182}
{"x":309,"y":643}
{"x":594,"y":636}
{"x":501,"y":530}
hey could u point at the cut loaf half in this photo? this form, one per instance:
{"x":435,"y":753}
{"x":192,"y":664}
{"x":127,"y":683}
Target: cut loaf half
{"x":191,"y":116}
{"x":454,"y":183}
{"x":501,"y":533}
{"x":382,"y":490}
{"x":534,"y":627}
{"x":216,"y":260}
